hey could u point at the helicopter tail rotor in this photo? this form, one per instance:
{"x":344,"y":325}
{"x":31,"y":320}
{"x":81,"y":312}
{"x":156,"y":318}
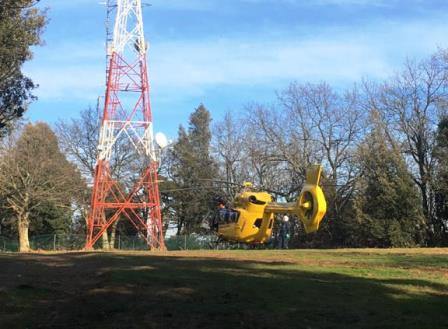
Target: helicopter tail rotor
{"x":311,"y":204}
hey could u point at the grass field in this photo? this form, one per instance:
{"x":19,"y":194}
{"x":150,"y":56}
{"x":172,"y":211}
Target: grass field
{"x":402,"y":288}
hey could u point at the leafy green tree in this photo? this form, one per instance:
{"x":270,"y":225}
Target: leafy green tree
{"x":49,"y":218}
{"x":37,"y":182}
{"x":20,"y":28}
{"x":441,"y":184}
{"x":386,"y":204}
{"x":192,"y":171}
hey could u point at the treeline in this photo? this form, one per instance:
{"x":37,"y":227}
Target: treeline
{"x":384,"y":147}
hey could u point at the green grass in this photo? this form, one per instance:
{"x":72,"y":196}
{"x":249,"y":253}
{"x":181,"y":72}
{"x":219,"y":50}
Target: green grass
{"x":405,"y":288}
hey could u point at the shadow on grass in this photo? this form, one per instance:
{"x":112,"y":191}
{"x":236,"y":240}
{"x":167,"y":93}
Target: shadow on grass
{"x":145,"y":291}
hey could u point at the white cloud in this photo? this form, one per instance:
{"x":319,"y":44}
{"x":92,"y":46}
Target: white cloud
{"x":187,"y":65}
{"x":355,"y":2}
{"x":68,"y":82}
{"x":335,"y":57}
{"x":191,"y":67}
{"x":68,"y":70}
{"x":205,"y":5}
{"x":327,"y":2}
{"x":199,"y":5}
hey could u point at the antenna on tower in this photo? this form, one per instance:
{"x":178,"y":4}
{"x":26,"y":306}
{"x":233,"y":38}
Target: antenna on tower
{"x":111,"y":6}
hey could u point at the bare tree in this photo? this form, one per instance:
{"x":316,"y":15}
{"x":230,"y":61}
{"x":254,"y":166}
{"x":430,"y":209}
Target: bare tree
{"x":79,"y":141}
{"x":228,"y":147}
{"x":336,"y":123}
{"x":266,"y":161}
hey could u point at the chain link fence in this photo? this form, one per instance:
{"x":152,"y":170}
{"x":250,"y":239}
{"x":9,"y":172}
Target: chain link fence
{"x":46,"y":242}
{"x":53,"y":242}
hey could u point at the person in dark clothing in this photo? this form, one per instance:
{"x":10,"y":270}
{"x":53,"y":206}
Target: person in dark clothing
{"x":219,"y":215}
{"x":284,"y":233}
{"x":222,"y":212}
{"x":223,"y":216}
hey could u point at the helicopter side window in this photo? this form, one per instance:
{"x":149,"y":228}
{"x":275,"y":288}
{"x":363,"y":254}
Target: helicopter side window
{"x":227,"y":216}
{"x":253,"y":199}
{"x":258,"y":222}
{"x":235,"y":215}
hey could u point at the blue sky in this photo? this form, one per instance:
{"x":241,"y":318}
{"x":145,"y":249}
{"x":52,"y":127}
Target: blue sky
{"x":227,"y":54}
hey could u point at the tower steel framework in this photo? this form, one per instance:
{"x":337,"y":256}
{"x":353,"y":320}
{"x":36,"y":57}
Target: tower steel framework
{"x":126,"y":117}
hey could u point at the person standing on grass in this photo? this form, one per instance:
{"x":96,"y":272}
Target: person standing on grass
{"x":284,"y":233}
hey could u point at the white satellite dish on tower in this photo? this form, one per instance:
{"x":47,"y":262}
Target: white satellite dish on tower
{"x":161,"y":140}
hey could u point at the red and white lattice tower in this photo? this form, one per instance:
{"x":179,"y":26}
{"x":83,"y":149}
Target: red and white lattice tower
{"x":127,"y":116}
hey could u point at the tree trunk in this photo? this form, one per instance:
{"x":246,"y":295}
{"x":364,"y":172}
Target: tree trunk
{"x":85,"y":214}
{"x":105,"y":240}
{"x":113,"y":233}
{"x":24,"y":242}
{"x":180,"y":224}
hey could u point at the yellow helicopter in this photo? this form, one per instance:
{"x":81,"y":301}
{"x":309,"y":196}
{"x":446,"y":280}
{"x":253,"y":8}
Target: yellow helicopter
{"x":251,"y":218}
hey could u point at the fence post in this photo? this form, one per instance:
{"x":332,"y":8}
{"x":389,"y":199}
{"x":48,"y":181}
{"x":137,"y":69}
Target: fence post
{"x":119,"y":241}
{"x":54,"y":242}
{"x":185,"y":242}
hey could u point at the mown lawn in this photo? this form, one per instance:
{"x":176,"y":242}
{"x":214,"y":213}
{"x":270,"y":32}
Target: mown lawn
{"x":401,"y":288}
